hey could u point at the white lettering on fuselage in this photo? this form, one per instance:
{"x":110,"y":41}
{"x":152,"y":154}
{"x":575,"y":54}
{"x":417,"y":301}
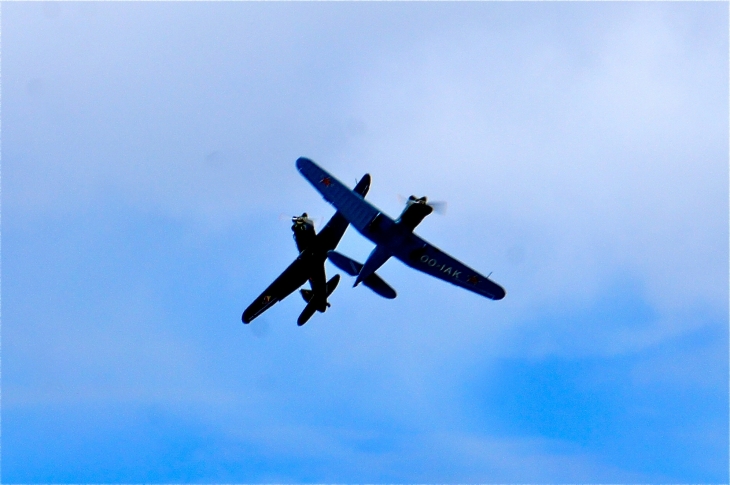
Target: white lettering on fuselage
{"x":443,"y":268}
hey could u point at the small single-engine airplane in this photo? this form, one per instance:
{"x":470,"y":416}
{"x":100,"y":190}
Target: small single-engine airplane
{"x":309,"y":265}
{"x":393,"y":238}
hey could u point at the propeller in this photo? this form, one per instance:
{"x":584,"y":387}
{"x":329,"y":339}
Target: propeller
{"x":304,"y":218}
{"x":438,"y":206}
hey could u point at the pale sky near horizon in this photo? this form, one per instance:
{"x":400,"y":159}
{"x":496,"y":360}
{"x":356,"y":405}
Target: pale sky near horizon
{"x":147,"y":157}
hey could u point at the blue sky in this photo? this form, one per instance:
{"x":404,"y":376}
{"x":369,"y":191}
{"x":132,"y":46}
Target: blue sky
{"x":148,"y":152}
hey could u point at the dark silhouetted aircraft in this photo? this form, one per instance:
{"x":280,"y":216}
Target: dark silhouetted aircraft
{"x":309,"y":265}
{"x":393,"y":238}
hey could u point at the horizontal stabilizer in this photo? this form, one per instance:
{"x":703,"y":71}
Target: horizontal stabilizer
{"x":346,"y":264}
{"x":307,"y":295}
{"x":352,"y":267}
{"x":311,"y":305}
{"x":376,"y":283}
{"x":307,"y":313}
{"x":332,"y":284}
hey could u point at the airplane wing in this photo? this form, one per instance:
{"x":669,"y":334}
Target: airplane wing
{"x":420,"y":255}
{"x":294,"y":276}
{"x":351,"y":205}
{"x":413,"y":251}
{"x":330,"y":235}
{"x":300,"y":270}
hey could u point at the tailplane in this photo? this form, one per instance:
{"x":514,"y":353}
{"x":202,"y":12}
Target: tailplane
{"x":353,"y":268}
{"x":308,"y":296}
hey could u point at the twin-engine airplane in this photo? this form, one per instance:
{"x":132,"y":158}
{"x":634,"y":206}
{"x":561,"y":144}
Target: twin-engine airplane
{"x":392,"y":238}
{"x":309,"y":265}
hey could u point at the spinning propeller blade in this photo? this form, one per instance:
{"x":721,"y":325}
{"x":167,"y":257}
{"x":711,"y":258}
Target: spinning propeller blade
{"x":439,"y":206}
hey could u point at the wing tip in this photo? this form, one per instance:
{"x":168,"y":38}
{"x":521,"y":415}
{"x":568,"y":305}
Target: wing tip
{"x":302,"y":162}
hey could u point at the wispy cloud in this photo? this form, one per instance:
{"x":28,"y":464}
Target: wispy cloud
{"x":148,"y":152}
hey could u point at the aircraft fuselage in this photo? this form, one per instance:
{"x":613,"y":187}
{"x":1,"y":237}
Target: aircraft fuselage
{"x":389,"y":235}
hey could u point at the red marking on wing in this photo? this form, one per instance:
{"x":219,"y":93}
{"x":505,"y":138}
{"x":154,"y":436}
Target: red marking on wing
{"x":327,"y":181}
{"x":473,"y":280}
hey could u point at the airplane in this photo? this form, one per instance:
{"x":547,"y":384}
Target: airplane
{"x":309,"y":265}
{"x":393,"y":238}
